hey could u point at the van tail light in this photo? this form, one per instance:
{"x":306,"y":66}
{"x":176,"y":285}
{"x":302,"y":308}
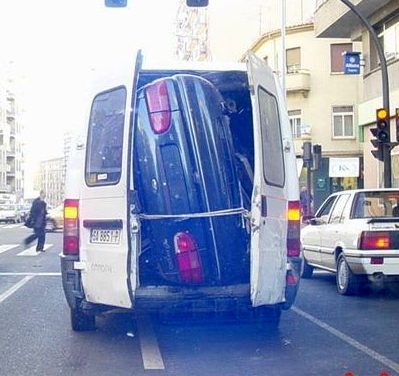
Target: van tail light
{"x":372,"y":240}
{"x":293,"y":229}
{"x":71,"y":227}
{"x":188,"y":262}
{"x":157,"y":100}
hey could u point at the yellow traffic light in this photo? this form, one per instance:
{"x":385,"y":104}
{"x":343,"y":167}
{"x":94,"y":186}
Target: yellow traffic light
{"x":382,"y":113}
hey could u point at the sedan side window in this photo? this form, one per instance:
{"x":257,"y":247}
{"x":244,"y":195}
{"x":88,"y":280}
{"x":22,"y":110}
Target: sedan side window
{"x":324,"y":211}
{"x":336,"y":215}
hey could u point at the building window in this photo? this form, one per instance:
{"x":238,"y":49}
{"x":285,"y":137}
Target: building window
{"x":293,"y":60}
{"x":388,"y":34}
{"x":337,"y":51}
{"x":342,"y":119}
{"x":295,"y":117}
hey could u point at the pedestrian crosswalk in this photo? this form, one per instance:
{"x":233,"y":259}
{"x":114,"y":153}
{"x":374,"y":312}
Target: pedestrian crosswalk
{"x":31,"y":251}
{"x":12,"y":225}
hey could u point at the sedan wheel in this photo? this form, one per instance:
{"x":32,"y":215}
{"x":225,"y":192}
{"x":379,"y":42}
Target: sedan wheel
{"x":347,"y":282}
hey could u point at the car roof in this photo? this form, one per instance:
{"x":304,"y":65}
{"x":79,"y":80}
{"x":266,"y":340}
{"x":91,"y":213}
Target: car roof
{"x":366,"y":190}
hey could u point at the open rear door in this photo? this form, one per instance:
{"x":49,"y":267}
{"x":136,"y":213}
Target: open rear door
{"x":269,"y":199}
{"x":108,"y":231}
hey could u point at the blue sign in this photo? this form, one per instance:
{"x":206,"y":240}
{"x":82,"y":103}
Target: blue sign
{"x":351,"y":62}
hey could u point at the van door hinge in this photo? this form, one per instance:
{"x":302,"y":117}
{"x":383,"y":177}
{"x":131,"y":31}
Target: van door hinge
{"x":252,"y":89}
{"x":134,"y":226}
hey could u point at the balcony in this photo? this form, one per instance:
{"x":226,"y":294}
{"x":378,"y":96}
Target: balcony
{"x":334,"y":19}
{"x":298,"y":82}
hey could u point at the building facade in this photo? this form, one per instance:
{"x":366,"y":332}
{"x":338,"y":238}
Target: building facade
{"x":52,"y":180}
{"x":334,"y":19}
{"x":321,"y":102}
{"x":11,"y":150}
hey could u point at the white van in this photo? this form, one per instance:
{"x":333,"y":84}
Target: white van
{"x":183,"y":194}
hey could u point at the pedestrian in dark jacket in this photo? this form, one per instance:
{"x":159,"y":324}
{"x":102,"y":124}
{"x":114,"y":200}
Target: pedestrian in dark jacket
{"x":37,"y":216}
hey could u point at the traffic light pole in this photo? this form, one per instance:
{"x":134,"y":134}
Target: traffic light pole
{"x":386,"y":148}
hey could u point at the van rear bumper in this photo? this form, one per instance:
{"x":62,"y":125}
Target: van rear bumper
{"x":158,"y":297}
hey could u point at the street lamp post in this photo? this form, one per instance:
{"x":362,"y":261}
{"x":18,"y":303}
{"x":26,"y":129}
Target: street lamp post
{"x":385,"y":90}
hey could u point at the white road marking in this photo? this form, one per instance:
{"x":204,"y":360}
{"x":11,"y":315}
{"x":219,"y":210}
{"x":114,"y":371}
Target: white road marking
{"x":31,"y":251}
{"x":7,"y":247}
{"x":349,"y":340}
{"x":42,"y":274}
{"x":14,"y":288}
{"x":15,"y":225}
{"x":152,"y":358}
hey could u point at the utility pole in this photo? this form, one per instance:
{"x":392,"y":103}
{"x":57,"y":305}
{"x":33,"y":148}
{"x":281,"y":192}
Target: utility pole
{"x":386,"y":148}
{"x":283,"y":53}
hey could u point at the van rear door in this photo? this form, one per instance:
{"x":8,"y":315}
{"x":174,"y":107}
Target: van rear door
{"x":269,"y":197}
{"x":108,"y":233}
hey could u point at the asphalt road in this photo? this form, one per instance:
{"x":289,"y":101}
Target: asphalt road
{"x":324,"y":334}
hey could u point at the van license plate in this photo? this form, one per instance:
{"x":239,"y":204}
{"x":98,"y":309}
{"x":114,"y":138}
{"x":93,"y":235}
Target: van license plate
{"x":105,"y":236}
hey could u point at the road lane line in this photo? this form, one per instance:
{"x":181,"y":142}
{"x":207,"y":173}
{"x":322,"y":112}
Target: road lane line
{"x":152,"y":358}
{"x":31,"y":251}
{"x":14,"y":288}
{"x":7,"y":247}
{"x":349,"y":340}
{"x":42,"y":274}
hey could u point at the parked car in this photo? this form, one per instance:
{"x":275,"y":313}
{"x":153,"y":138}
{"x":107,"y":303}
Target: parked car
{"x":354,"y":234}
{"x":24,"y":210}
{"x":55,"y":219}
{"x":9,"y":213}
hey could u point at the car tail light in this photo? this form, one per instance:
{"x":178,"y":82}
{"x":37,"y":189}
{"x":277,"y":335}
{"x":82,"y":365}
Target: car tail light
{"x":71,"y":227}
{"x":374,"y":240}
{"x":294,"y":226}
{"x":291,"y":279}
{"x":158,"y":106}
{"x":188,"y":262}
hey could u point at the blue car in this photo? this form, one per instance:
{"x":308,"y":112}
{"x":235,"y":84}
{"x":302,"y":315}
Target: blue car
{"x":187,"y":171}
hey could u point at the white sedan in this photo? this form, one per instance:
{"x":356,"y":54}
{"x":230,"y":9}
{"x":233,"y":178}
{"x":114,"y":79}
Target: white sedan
{"x":9,"y":213}
{"x":354,"y":234}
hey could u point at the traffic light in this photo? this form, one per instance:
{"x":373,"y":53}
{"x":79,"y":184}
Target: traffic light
{"x":382,"y":132}
{"x":316,"y":156}
{"x":197,"y":3}
{"x":115,"y":3}
{"x":307,"y":153}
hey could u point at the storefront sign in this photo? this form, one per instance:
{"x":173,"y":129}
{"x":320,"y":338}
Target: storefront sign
{"x":343,"y":167}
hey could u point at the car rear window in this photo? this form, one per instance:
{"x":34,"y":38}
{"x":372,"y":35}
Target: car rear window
{"x":376,"y":204}
{"x":105,"y":138}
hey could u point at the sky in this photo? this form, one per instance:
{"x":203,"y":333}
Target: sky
{"x":51,"y":46}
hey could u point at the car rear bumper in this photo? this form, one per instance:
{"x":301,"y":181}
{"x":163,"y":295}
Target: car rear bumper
{"x":363,"y":265}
